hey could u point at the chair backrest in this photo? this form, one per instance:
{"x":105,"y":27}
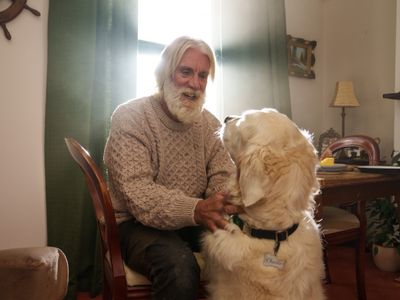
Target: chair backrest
{"x":368,"y":144}
{"x":105,"y":217}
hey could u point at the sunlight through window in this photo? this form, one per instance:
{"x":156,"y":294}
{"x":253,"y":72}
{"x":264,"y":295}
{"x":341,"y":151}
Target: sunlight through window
{"x":159,"y":22}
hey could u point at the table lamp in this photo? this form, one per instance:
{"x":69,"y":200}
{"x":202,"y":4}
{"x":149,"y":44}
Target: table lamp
{"x":344,"y":98}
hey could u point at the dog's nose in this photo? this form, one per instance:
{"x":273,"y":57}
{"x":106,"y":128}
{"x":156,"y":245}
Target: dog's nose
{"x":228,"y":118}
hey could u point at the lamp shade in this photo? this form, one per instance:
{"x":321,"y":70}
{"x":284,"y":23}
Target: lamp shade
{"x":345,"y":95}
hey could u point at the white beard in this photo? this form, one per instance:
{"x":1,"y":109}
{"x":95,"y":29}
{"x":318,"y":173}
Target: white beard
{"x":185,"y":110}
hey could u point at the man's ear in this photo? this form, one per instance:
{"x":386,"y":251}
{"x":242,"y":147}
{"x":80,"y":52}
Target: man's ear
{"x":251,"y":179}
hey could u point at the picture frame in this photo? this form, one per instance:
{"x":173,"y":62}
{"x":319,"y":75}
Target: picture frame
{"x":301,"y":57}
{"x":327,"y":138}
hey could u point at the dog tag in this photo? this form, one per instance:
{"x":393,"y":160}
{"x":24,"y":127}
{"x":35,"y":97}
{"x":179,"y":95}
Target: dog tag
{"x":273,"y":261}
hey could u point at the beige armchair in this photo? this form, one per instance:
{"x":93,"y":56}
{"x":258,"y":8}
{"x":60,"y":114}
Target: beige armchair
{"x":33,"y":273}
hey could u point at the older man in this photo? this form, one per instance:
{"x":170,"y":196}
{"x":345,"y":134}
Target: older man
{"x":167,"y":170}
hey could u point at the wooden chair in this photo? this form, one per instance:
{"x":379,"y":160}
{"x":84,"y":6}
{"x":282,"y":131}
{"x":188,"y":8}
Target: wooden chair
{"x":120,"y":282}
{"x":366,"y":143}
{"x":342,"y":225}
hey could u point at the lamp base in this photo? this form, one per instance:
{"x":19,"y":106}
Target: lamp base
{"x":343,"y":117}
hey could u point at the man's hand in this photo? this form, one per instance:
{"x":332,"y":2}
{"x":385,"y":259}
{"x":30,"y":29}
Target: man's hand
{"x":210,"y":212}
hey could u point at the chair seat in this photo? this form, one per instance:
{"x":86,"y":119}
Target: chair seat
{"x":337,"y":219}
{"x":134,"y":278}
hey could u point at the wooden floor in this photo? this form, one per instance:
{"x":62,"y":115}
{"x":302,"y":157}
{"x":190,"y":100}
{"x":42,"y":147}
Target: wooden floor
{"x":380,"y":285}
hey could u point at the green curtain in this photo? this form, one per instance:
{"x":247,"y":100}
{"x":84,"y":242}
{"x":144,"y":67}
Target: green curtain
{"x":92,"y":50}
{"x":253,"y":54}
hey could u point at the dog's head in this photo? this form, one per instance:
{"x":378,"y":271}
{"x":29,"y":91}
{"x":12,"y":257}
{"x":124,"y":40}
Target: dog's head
{"x":275,"y":159}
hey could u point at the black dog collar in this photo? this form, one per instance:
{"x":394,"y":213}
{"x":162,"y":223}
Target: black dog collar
{"x":277,"y":236}
{"x":280,"y":236}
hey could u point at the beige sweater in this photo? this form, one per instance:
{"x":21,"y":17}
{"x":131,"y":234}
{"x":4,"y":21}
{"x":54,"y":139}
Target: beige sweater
{"x":158,"y":168}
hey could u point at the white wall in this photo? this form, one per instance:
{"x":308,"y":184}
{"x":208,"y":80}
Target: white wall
{"x":362,"y":49}
{"x":22,"y":101}
{"x":304,"y":19}
{"x":355,"y":41}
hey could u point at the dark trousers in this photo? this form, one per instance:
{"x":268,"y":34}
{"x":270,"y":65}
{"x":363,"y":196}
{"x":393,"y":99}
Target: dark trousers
{"x":165,"y":257}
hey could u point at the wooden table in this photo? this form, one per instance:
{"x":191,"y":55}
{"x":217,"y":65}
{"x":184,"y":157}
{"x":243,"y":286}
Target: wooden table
{"x":345,"y":187}
{"x":337,"y":188}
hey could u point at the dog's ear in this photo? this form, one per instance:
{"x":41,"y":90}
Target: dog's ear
{"x":251,"y":178}
{"x":301,"y":180}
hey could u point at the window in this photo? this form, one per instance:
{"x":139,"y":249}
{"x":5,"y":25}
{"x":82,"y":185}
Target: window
{"x":159,"y":22}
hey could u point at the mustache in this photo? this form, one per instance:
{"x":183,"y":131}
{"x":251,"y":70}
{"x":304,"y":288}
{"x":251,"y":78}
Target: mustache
{"x":189,"y":91}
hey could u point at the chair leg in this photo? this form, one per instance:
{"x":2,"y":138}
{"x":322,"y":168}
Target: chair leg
{"x":360,"y":251}
{"x":327,"y":278}
{"x":106,"y":290}
{"x":360,"y":270}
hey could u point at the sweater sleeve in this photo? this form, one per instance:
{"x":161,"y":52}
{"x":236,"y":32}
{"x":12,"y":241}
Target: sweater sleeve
{"x":128,"y":157}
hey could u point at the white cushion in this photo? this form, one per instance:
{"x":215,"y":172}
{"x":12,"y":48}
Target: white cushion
{"x":335,"y":219}
{"x":134,"y":278}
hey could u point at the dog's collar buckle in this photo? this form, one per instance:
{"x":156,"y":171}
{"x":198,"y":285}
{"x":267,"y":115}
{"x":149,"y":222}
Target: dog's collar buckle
{"x":281,"y":235}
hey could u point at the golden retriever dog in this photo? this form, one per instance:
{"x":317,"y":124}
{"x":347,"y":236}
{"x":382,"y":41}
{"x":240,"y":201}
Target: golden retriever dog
{"x":278,"y":254}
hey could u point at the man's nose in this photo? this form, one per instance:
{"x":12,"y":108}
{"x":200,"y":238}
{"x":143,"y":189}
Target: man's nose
{"x":194,"y":82}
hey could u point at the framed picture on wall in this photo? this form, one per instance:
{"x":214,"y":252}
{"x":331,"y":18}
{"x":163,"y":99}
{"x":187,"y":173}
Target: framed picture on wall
{"x":326,"y":138}
{"x":301,"y":57}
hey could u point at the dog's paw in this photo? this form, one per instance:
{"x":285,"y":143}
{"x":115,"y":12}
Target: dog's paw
{"x":226,"y":247}
{"x":232,"y":228}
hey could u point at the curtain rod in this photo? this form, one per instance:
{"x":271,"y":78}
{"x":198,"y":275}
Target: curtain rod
{"x":394,"y":96}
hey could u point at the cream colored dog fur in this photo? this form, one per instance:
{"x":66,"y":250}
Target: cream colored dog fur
{"x":275,"y":183}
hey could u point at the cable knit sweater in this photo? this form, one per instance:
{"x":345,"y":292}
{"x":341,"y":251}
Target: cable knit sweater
{"x":159,"y":168}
